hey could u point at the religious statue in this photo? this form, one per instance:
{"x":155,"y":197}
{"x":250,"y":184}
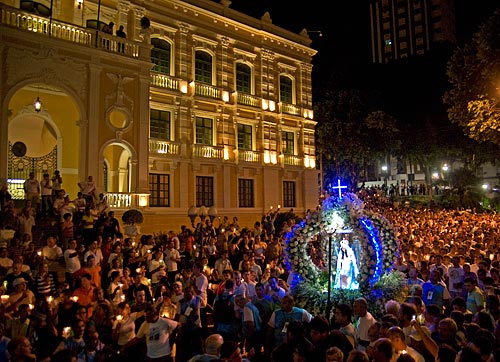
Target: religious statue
{"x":347,"y":267}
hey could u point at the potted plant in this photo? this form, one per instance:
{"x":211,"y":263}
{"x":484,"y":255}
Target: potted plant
{"x":132,"y":219}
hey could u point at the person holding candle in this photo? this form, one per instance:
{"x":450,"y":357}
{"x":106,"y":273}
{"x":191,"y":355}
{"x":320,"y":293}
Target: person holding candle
{"x":44,"y":281}
{"x":85,"y":293}
{"x":124,"y":325}
{"x":21,"y":295}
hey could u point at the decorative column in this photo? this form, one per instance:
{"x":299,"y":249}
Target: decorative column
{"x":141,"y":175}
{"x":90,"y":165}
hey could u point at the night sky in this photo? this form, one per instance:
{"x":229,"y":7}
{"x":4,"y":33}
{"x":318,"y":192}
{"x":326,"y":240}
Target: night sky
{"x":413,"y":88}
{"x":345,"y":25}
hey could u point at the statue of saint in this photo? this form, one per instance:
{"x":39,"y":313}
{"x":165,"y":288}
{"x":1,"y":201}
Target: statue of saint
{"x":347,"y":267}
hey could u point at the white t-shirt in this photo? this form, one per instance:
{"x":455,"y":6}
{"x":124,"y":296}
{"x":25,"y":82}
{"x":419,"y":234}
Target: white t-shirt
{"x":72,"y":263}
{"x":157,"y":335}
{"x":171,"y":264}
{"x":155,"y":264}
{"x":364,"y":324}
{"x":97,"y":254}
{"x":46,"y":186}
{"x":201,"y":283}
{"x":127,"y":329}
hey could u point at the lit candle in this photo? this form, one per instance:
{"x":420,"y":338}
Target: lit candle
{"x":492,"y":256}
{"x":39,"y":253}
{"x":5,"y":298}
{"x":50,"y":299}
{"x":31,"y":306}
{"x":279,"y":206}
{"x":149,"y":251}
{"x":74,"y":298}
{"x":138,"y":270}
{"x":122,"y":297}
{"x":119,"y":317}
{"x":66,"y":332}
{"x":133,"y":243}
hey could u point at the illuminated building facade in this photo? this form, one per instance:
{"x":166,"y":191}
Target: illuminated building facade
{"x":198,"y":105}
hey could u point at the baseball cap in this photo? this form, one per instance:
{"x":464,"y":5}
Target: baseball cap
{"x":18,"y":281}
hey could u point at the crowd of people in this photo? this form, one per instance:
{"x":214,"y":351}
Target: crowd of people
{"x":90,"y":293}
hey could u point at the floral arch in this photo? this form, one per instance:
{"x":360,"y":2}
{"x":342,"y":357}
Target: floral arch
{"x":373,"y":240}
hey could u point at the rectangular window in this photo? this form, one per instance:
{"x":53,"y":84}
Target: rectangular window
{"x":286,"y":90}
{"x":287,"y":143}
{"x":204,"y":131}
{"x":204,"y":191}
{"x":245,"y":137}
{"x":243,"y":78}
{"x":203,"y":67}
{"x":245,"y":193}
{"x":159,"y":124}
{"x":159,"y":188}
{"x":289,"y":194}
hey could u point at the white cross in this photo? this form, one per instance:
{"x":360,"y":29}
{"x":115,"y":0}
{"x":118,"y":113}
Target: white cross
{"x":338,"y":187}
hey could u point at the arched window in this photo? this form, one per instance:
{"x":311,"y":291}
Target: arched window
{"x":203,"y":67}
{"x":286,"y":90}
{"x":243,"y":78}
{"x":160,"y":56}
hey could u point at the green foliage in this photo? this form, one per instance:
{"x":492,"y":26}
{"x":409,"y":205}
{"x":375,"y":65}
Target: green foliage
{"x":474,"y":73}
{"x":131,"y":217}
{"x":352,"y":134}
{"x":312,"y":294}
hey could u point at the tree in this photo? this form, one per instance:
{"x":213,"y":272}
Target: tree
{"x":473,"y":101}
{"x":352,"y":135}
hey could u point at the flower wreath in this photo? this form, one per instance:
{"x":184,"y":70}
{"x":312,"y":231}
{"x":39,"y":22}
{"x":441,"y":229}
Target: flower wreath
{"x":374,"y":235}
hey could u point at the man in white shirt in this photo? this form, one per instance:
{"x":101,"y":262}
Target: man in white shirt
{"x":156,"y":268}
{"x":157,"y":333}
{"x":364,"y":322}
{"x":200,"y":283}
{"x":397,"y":337}
{"x":240,"y":286}
{"x":32,"y":190}
{"x":46,"y":189}
{"x":52,"y":253}
{"x":72,"y":262}
{"x":172,"y":257}
{"x":94,"y":250}
{"x":223,"y":263}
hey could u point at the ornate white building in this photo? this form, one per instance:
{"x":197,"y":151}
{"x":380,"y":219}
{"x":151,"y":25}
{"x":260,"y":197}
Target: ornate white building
{"x":198,"y":105}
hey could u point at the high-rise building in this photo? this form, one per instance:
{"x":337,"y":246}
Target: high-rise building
{"x":198,"y":105}
{"x":403,"y":28}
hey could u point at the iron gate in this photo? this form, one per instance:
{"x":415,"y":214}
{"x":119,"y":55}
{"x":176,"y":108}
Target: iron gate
{"x":19,"y":169}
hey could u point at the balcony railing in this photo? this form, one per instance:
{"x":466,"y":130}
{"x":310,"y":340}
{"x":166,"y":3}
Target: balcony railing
{"x":249,"y":156}
{"x":249,"y":100}
{"x":17,"y":18}
{"x":126,"y":200}
{"x":289,"y":109}
{"x":206,"y":90}
{"x":291,"y":160}
{"x":163,"y":147}
{"x":164,"y":81}
{"x":208,"y":151}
